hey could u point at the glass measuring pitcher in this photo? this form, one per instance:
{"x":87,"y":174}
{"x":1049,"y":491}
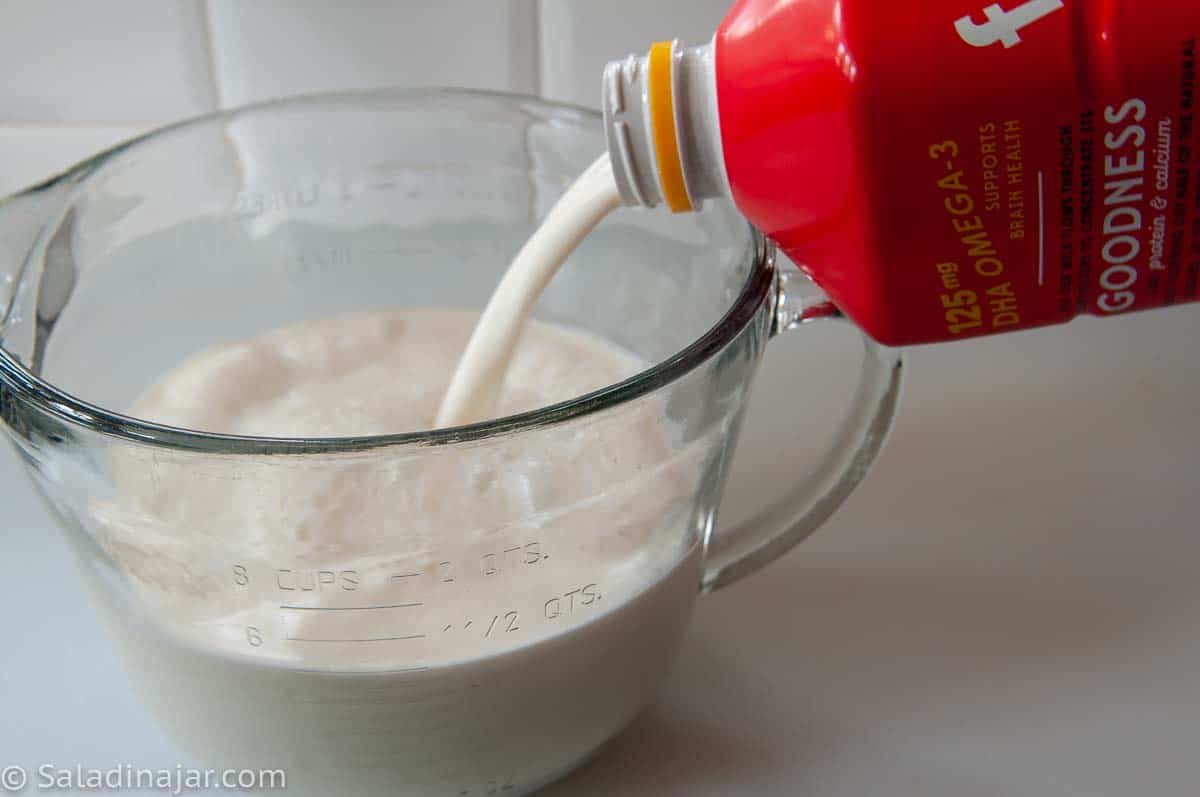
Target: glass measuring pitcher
{"x":464,"y":611}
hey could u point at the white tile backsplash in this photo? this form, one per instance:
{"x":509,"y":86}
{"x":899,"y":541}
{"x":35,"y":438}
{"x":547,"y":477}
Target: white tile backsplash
{"x":112,"y":62}
{"x":147,"y":61}
{"x":579,"y":38}
{"x":277,"y":47}
{"x":77,"y":76}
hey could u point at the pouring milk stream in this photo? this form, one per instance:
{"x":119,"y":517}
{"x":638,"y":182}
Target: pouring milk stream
{"x":478,"y":379}
{"x":1021,"y":189}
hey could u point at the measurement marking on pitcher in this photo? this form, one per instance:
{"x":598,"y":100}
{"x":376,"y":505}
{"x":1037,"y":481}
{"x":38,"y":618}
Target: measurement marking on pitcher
{"x":350,"y":608}
{"x":505,"y":623}
{"x":404,"y":575}
{"x":359,"y":639}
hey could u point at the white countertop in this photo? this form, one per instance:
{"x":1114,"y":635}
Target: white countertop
{"x":1009,"y":605}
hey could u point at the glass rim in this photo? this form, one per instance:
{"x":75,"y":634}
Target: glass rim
{"x":44,"y":396}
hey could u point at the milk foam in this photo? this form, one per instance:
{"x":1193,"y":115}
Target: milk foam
{"x":599,"y":497}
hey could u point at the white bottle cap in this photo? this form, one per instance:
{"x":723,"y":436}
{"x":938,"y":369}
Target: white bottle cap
{"x":662,"y":126}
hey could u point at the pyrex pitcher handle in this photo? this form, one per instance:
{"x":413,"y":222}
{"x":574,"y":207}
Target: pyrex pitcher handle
{"x":740,"y":550}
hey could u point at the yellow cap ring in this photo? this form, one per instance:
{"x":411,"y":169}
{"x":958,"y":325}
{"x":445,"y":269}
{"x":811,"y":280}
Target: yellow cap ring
{"x":662,"y":124}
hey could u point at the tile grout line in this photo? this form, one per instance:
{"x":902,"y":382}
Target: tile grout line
{"x":210,"y":48}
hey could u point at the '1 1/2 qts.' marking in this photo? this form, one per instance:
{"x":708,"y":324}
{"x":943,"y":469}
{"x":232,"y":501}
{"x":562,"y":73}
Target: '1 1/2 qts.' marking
{"x":496,"y":624}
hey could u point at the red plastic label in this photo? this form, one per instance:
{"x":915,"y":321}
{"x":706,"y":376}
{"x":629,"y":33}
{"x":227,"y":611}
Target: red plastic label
{"x":1012,"y":165}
